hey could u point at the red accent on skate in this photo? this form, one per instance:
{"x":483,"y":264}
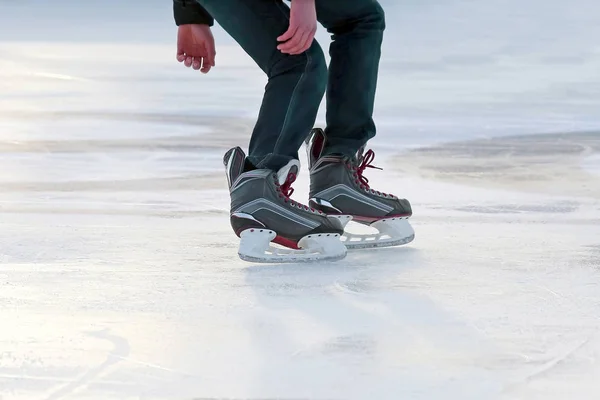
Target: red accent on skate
{"x":287,"y":188}
{"x":285,"y":242}
{"x":318,"y":143}
{"x":286,"y":191}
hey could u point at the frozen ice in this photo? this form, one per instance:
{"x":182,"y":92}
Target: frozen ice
{"x":119,"y":277}
{"x":592,"y":164}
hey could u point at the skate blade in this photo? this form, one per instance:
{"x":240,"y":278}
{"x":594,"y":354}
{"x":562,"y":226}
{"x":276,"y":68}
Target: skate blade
{"x":392,"y":232}
{"x":255,"y":246}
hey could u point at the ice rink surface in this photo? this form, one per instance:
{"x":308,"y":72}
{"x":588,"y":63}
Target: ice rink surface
{"x":119,"y":277}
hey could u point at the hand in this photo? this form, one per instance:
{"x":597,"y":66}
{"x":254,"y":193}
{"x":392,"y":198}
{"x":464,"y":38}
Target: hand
{"x":196,"y":47}
{"x":303,"y":26}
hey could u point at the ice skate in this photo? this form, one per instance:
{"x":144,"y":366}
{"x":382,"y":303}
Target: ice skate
{"x":272,"y":227}
{"x":339,"y":189}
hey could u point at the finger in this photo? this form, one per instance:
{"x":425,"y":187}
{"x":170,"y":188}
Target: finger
{"x":180,"y":57}
{"x":210,"y":53}
{"x":288,"y":34}
{"x":180,"y":51}
{"x":297,"y":48}
{"x":301,"y":46}
{"x":309,"y":41}
{"x":206,"y":66}
{"x":292,"y":43}
{"x":188,"y":61}
{"x":197,"y":63}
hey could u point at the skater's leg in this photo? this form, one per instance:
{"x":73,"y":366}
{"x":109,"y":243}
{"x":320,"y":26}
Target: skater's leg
{"x":337,"y":184}
{"x":296,"y":83}
{"x":357,"y":28}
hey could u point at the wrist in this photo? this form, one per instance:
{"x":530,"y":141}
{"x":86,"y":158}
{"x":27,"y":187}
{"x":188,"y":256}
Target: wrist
{"x":191,"y":13}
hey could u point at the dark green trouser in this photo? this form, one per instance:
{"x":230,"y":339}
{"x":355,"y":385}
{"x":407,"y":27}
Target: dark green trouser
{"x":297,"y":83}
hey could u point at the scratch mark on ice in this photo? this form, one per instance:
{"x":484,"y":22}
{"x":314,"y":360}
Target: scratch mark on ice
{"x":121,"y":347}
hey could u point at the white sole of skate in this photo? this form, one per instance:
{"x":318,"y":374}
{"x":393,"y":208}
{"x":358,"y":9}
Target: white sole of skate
{"x":256,"y":246}
{"x":395,"y":231}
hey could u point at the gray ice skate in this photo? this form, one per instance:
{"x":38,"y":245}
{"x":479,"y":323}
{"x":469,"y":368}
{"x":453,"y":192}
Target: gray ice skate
{"x":262,"y":214}
{"x":339,"y":189}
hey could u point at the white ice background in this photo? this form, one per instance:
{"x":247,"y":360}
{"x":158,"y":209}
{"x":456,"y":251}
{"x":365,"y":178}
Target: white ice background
{"x":119,"y":277}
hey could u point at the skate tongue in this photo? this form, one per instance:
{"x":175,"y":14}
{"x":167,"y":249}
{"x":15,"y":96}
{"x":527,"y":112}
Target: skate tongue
{"x":234,"y":162}
{"x":293,"y":167}
{"x":315,"y":143}
{"x":360,"y":155}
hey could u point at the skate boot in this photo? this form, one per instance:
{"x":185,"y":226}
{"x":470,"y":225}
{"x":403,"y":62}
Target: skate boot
{"x":272,"y":227}
{"x":339,"y":189}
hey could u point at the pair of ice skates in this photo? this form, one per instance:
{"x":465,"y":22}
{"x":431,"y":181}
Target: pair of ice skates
{"x":262,"y":213}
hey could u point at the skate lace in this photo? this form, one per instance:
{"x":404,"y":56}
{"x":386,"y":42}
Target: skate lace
{"x":362,"y":180}
{"x":286,"y":190}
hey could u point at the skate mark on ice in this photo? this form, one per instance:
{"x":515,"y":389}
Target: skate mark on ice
{"x":58,"y":380}
{"x":418,"y":334}
{"x":390,"y":295}
{"x":177,"y":183}
{"x":153,"y":366}
{"x":121,"y":348}
{"x":217,"y":133}
{"x":541,"y":163}
{"x":551,"y":208}
{"x":60,"y":77}
{"x":300,"y":294}
{"x":334,"y":298}
{"x":592,"y":258}
{"x":263,"y":398}
{"x":172,"y":118}
{"x":367,"y":277}
{"x":547,"y":367}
